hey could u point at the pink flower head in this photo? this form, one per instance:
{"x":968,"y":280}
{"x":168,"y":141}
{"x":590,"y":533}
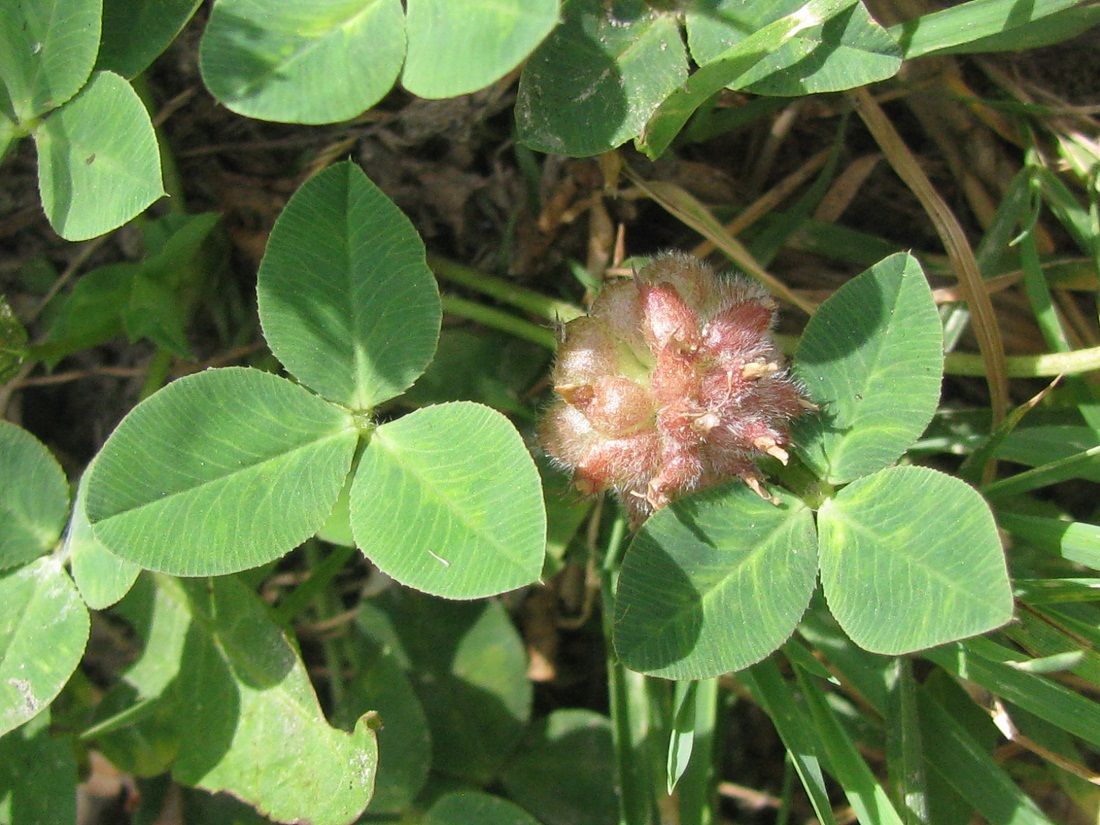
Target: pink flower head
{"x":670,"y":384}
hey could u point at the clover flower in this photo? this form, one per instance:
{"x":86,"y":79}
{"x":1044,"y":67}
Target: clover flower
{"x":672,"y":383}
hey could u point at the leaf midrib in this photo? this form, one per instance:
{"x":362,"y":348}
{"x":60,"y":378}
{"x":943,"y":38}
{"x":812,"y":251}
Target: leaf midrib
{"x":456,"y":512}
{"x":859,"y":527}
{"x":207,"y":482}
{"x":707,"y":595}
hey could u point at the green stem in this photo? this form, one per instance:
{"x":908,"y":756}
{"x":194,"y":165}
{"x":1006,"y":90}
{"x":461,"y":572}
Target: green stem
{"x":786,"y":794}
{"x":157,"y":373}
{"x":629,"y":705}
{"x":320,"y":575}
{"x":1027,"y":366}
{"x":697,"y":784}
{"x":1042,"y":304}
{"x":161,"y":365}
{"x":504,"y":291}
{"x":498,"y":319}
{"x":325,"y":607}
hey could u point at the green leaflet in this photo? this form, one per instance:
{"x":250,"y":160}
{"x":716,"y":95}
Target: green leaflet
{"x":461,"y":515}
{"x":302,"y":61}
{"x":872,"y":358}
{"x":34,"y":497}
{"x":714,"y":582}
{"x":43,"y":631}
{"x":98,"y":162}
{"x":456,"y":48}
{"x":346,"y":299}
{"x":846,"y":51}
{"x":219,"y":471}
{"x":594,"y":82}
{"x":910,"y":558}
{"x":251,"y":721}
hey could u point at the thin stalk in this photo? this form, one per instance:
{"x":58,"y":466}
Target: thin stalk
{"x":498,"y":319}
{"x":325,"y":606}
{"x":161,"y":364}
{"x":786,"y":793}
{"x":504,"y":291}
{"x":904,"y":760}
{"x":1042,"y":304}
{"x":1047,"y":365}
{"x":629,"y":705}
{"x":157,"y":373}
{"x":696,"y":786}
{"x":320,"y":575}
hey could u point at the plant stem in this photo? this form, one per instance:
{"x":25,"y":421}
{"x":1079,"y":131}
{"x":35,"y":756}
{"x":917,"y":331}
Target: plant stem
{"x":696,"y":786}
{"x":504,"y":291}
{"x":1042,"y":304}
{"x":629,"y":704}
{"x":157,"y":373}
{"x":320,"y":575}
{"x":161,"y":365}
{"x":325,"y":607}
{"x":498,"y":319}
{"x":1027,"y":366}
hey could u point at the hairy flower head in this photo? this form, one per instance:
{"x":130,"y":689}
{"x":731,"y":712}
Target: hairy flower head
{"x":670,"y":384}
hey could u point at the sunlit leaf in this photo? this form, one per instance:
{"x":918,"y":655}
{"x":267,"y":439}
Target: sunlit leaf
{"x":714,"y":582}
{"x":34,"y":497}
{"x":251,"y":723}
{"x":43,"y":631}
{"x":219,"y":471}
{"x":47,"y":50}
{"x":456,"y":48}
{"x":910,"y":558}
{"x":346,"y":299}
{"x":872,"y":358}
{"x":845,"y":51}
{"x":98,"y":162}
{"x":448,"y":500}
{"x":101,"y":577}
{"x":593,"y":83}
{"x":302,"y":61}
